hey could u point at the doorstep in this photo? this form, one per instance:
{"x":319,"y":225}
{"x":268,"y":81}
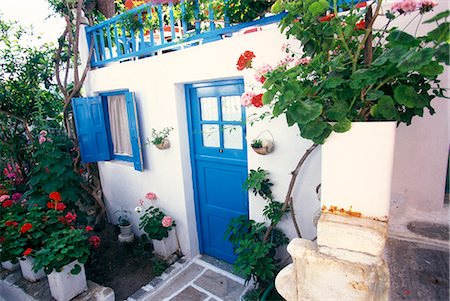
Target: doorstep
{"x":14,"y":287}
{"x":194,"y":280}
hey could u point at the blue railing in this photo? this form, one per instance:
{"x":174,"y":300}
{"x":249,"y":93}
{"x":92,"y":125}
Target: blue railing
{"x":153,"y":28}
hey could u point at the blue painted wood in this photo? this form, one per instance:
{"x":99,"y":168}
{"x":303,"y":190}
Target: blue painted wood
{"x":218,"y":173}
{"x":91,"y":129}
{"x":116,"y":39}
{"x":212,"y":24}
{"x":108,"y":36}
{"x":102,"y":44}
{"x":183,"y":16}
{"x":161,"y":24}
{"x":134,"y":131}
{"x":172,"y":20}
{"x":197,"y":17}
{"x":96,"y":48}
{"x":141,"y":33}
{"x":152,"y":36}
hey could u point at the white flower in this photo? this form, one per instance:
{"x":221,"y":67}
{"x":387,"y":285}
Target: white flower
{"x":138,"y":209}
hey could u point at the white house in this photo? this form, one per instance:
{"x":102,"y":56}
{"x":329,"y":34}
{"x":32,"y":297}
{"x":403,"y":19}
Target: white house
{"x":198,"y":180}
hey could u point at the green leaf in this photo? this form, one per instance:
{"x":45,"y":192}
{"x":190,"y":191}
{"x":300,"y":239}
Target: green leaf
{"x":313,"y":129}
{"x":76,"y":270}
{"x":303,"y":112}
{"x":440,"y":34}
{"x":442,"y":54}
{"x":374,"y":94}
{"x":432,"y":70}
{"x":439,"y":16}
{"x":318,"y":8}
{"x":402,"y":38}
{"x":342,"y":126}
{"x":386,"y":108}
{"x":337,"y":111}
{"x":333,"y":82}
{"x":407,"y":96}
{"x":414,"y":60}
{"x":277,"y":7}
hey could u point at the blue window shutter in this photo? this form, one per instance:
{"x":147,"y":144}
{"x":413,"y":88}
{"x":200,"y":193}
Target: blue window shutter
{"x":134,"y":131}
{"x":91,"y":129}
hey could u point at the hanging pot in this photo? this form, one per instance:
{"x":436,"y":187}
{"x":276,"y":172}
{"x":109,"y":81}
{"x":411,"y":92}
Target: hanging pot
{"x":165,"y":144}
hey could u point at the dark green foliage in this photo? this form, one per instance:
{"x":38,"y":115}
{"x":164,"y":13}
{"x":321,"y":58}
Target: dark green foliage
{"x":53,"y":171}
{"x":151,"y":223}
{"x":258,"y":182}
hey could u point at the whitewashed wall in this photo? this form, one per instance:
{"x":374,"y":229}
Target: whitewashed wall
{"x":159,"y":86}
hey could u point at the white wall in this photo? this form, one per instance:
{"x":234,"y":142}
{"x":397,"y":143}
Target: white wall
{"x":159,"y":86}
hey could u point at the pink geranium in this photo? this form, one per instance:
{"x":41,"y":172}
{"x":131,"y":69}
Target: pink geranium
{"x":4,"y":197}
{"x":246,"y":98}
{"x":151,"y":196}
{"x":16,"y":196}
{"x":43,"y":133}
{"x":260,"y":74}
{"x":42,"y":139}
{"x":167,"y":221}
{"x":303,"y":61}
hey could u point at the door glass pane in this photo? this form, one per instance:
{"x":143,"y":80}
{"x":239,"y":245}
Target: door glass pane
{"x":231,"y":108}
{"x":232,"y":136}
{"x":209,"y":108}
{"x":211,"y":135}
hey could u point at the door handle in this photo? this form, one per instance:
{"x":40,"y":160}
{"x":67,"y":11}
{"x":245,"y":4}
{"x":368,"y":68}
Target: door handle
{"x":220,"y":150}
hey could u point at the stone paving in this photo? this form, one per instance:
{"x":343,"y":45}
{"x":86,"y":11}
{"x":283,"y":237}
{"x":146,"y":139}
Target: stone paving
{"x":196,"y":281}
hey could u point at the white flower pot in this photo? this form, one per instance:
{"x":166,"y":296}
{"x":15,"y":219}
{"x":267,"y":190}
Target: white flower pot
{"x":26,"y":266}
{"x":64,"y":286}
{"x":165,"y":247}
{"x":357,"y":170}
{"x":125,"y":230}
{"x":8,"y":265}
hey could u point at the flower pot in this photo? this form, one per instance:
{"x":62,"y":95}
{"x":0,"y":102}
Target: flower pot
{"x":165,"y":144}
{"x":266,"y":148}
{"x":8,"y":265}
{"x":26,"y":266}
{"x":64,"y":286}
{"x":125,"y":230}
{"x":357,"y":170}
{"x":165,"y":247}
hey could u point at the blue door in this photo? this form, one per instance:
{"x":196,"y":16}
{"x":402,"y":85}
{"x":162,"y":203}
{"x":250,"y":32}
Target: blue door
{"x":219,"y":161}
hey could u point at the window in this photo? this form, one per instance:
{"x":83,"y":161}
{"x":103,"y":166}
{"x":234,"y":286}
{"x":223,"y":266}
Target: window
{"x":107,"y":128}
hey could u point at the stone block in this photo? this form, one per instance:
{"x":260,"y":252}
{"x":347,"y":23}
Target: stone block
{"x":322,"y":277}
{"x":351,"y":233}
{"x":96,"y":292}
{"x":190,"y":294}
{"x":220,"y":285}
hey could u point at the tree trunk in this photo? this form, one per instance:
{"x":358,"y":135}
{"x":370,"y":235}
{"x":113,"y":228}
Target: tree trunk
{"x":106,"y":7}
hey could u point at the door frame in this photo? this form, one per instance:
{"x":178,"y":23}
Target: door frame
{"x":187,"y":90}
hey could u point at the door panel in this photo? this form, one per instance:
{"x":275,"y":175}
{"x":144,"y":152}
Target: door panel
{"x":219,"y":160}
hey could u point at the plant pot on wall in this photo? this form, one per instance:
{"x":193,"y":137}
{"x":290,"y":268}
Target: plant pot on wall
{"x":64,"y":285}
{"x":263,"y":146}
{"x":26,"y":266}
{"x":165,"y":144}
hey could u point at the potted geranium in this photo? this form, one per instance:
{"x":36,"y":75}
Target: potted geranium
{"x":159,"y":139}
{"x":351,"y":70}
{"x":157,"y":226}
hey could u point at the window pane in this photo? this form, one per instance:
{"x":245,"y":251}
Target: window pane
{"x":211,"y":135}
{"x":209,"y":108}
{"x":231,"y":108}
{"x":118,"y":120}
{"x":232,"y":136}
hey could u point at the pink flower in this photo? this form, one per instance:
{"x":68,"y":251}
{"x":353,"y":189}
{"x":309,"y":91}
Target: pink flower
{"x":246,"y":98}
{"x":151,"y":196}
{"x":405,"y":6}
{"x":166,"y":221}
{"x":16,"y":196}
{"x":89,"y":228}
{"x":42,"y":139}
{"x":70,"y":217}
{"x":4,"y":197}
{"x":43,"y":133}
{"x":95,"y":241}
{"x":285,"y":47}
{"x":303,"y":61}
{"x":427,"y":5}
{"x":141,"y":202}
{"x":260,"y":74}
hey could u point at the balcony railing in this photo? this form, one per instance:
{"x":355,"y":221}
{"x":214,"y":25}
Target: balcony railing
{"x":156,"y":28}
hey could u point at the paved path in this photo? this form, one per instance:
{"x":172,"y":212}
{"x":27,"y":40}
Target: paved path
{"x":199,"y":281}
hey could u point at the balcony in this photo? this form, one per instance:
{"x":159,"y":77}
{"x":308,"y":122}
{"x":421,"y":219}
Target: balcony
{"x":155,"y":28}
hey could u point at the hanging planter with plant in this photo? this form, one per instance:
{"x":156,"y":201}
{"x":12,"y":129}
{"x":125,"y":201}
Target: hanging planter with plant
{"x":263,"y":146}
{"x":159,"y":139}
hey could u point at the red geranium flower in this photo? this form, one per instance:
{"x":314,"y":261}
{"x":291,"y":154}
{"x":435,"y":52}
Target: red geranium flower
{"x":2,"y":239}
{"x":95,"y":241}
{"x":89,"y":228}
{"x":361,"y":5}
{"x":56,"y":196}
{"x":11,"y":224}
{"x":327,"y":18}
{"x":245,"y":60}
{"x":7,"y":203}
{"x":50,"y":205}
{"x":70,"y":217}
{"x":62,"y":219}
{"x":257,"y":100}
{"x":27,"y":252}
{"x":26,"y":227}
{"x":60,"y":207}
{"x":360,"y":25}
